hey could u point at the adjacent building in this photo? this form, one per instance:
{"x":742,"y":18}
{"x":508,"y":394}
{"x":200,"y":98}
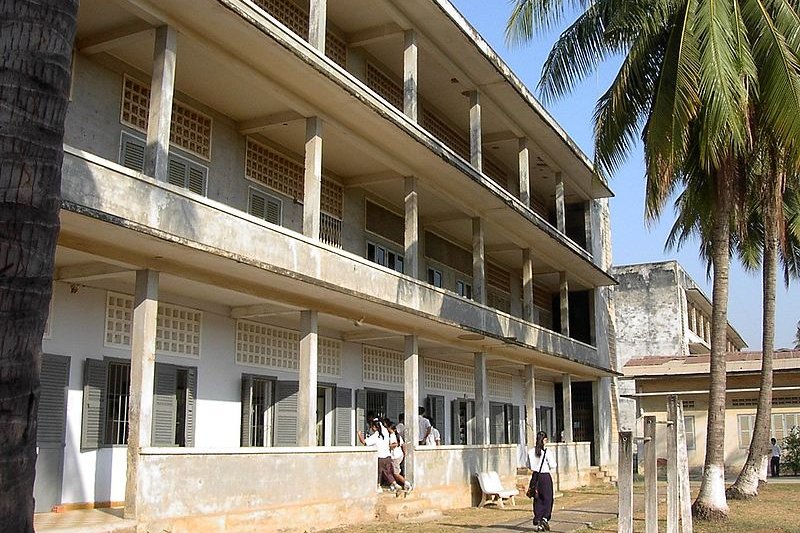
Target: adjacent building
{"x":279,"y":216}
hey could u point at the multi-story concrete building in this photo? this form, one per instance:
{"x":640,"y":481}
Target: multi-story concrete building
{"x":278,"y":216}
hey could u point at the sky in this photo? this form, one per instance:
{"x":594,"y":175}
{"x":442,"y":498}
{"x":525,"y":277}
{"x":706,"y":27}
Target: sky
{"x":633,"y":239}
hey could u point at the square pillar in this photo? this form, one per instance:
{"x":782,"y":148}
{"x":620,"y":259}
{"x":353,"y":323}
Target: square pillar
{"x":478,"y":261}
{"x":530,"y":406}
{"x":410,"y":92}
{"x":475,"y":147}
{"x":411,"y":264}
{"x":143,"y":362}
{"x":524,"y":172}
{"x":312,"y":178}
{"x":317,"y":19}
{"x":566,"y":393}
{"x":563,"y":285}
{"x":162,"y":88}
{"x":528,"y":310}
{"x":561,"y":210}
{"x":481,"y":400}
{"x":307,"y":395}
{"x":411,"y":401}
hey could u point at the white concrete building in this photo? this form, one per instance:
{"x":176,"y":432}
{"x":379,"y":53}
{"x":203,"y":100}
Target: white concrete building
{"x":274,"y":222}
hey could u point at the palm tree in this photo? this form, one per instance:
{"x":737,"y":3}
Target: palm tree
{"x":797,"y":337}
{"x":36,"y":41}
{"x":689,"y":74}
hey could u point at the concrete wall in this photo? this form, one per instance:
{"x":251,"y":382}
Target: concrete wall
{"x":267,"y":490}
{"x":573,"y":463}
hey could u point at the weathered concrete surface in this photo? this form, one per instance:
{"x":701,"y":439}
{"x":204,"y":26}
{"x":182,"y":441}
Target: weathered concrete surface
{"x":287,"y":489}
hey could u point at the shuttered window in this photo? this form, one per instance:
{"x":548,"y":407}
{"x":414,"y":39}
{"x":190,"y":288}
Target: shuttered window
{"x":265,"y":207}
{"x":106,"y":406}
{"x":257,"y":408}
{"x":51,"y":419}
{"x":181,"y":172}
{"x":344,"y":407}
{"x":504,"y":423}
{"x":286,"y":393}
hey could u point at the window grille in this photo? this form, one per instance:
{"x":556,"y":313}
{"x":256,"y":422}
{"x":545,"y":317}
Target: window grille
{"x":330,"y":230}
{"x":450,"y":377}
{"x":385,"y":257}
{"x":384,"y":85}
{"x":500,"y":385}
{"x":688,"y":404}
{"x":273,"y":347}
{"x":457,"y":141}
{"x":497,"y":277}
{"x":496,"y":172}
{"x":117,"y":400}
{"x":382,"y":365}
{"x":688,"y":422}
{"x":260,"y":408}
{"x":295,"y":18}
{"x":189,"y":129}
{"x":178,"y":329}
{"x":331,"y":198}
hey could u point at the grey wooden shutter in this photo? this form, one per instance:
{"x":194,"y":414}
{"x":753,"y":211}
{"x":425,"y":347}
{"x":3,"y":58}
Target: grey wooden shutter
{"x":197,"y":180}
{"x":52,"y":417}
{"x":258,"y":205}
{"x":361,"y":410}
{"x":273,"y":211}
{"x":497,"y":423}
{"x":247,"y":411}
{"x":344,"y":407}
{"x":176,"y":172}
{"x":455,"y":428}
{"x":286,"y":393}
{"x":438,"y":411}
{"x":132,"y":153}
{"x":514,"y":432}
{"x":95,"y":376}
{"x":191,"y":405}
{"x":395,"y":402}
{"x":164,"y":405}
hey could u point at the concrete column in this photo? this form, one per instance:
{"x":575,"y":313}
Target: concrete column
{"x":561,"y":209}
{"x":317,"y":19}
{"x":411,"y":264}
{"x":143,"y":361}
{"x":524,"y":172}
{"x":411,"y":401}
{"x":156,"y":153}
{"x":528,"y":311}
{"x":530,"y":407}
{"x":625,"y":482}
{"x":566,"y":395}
{"x":312,"y":178}
{"x":563,"y":285}
{"x":475,"y":147}
{"x":481,"y":400}
{"x":307,"y":396}
{"x":478,"y":261}
{"x":650,"y":476}
{"x":410,"y":75}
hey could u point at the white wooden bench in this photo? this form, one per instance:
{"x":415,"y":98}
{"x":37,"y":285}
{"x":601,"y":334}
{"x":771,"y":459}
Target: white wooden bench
{"x":492,"y":490}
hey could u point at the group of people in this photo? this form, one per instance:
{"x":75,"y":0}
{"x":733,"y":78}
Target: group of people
{"x":390,"y":442}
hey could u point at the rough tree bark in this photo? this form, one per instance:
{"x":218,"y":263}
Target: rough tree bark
{"x":37,"y":39}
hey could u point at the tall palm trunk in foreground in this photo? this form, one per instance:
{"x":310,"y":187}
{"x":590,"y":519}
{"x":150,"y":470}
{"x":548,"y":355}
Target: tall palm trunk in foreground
{"x":36,"y":38}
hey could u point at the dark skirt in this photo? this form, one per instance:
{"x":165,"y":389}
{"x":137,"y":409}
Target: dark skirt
{"x":543,"y":502}
{"x":385,"y":471}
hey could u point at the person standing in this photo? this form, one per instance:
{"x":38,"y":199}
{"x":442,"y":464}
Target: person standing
{"x":434,"y":438}
{"x":775,"y":461}
{"x":379,"y":439}
{"x":398,"y":449}
{"x":540,"y":488}
{"x":424,"y":427}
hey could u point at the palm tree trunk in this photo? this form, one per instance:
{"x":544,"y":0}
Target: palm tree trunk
{"x":711,"y":503}
{"x":746,"y":485}
{"x":37,"y":38}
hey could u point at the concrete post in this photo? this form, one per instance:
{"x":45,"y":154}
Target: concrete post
{"x":684,"y":493}
{"x":530,"y":406}
{"x":411,"y":264}
{"x":411,"y":401}
{"x":566,"y":395}
{"x":673,"y":511}
{"x":524,"y":172}
{"x":307,"y":395}
{"x":481,"y":400}
{"x":625,"y":482}
{"x":561,"y":209}
{"x":650,"y":476}
{"x":563,"y":285}
{"x":475,"y":146}
{"x":312,"y":178}
{"x":410,"y":75}
{"x":317,"y":19}
{"x":478,"y":261}
{"x":528,"y":309}
{"x":143,"y":361}
{"x":156,"y":153}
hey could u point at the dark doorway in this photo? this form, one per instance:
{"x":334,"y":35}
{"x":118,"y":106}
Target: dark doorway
{"x":583,"y":415}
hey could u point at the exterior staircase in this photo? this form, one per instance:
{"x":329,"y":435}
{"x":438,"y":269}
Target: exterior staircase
{"x":408,"y":508}
{"x":601,"y":475}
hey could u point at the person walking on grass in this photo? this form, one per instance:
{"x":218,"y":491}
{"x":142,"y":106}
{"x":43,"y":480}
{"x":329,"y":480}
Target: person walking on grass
{"x":540,"y":488}
{"x":775,"y":461}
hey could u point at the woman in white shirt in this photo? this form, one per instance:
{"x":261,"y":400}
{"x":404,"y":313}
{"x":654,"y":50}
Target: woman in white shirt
{"x":379,"y":439}
{"x":434,"y":438}
{"x":540,"y":488}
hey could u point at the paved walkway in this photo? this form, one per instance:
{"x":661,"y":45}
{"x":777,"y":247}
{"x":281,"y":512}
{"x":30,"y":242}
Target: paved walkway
{"x":591,"y":512}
